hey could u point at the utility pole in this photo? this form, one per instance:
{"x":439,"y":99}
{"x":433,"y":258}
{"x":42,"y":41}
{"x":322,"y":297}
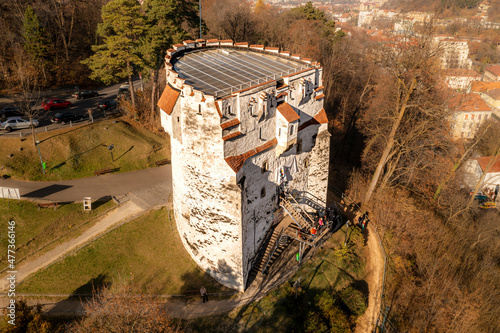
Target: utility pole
{"x":111,"y":150}
{"x":346,"y":230}
{"x":39,"y":153}
{"x":200,"y":17}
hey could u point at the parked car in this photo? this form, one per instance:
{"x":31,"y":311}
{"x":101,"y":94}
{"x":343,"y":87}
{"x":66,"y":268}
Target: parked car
{"x":108,"y":104}
{"x":54,"y":103}
{"x":10,"y":112}
{"x":488,"y":205}
{"x":480,"y":196}
{"x":85,"y":94}
{"x":65,"y":117}
{"x":13,"y":123}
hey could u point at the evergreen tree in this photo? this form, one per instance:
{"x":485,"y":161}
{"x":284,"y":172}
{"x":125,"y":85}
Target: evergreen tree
{"x":122,"y":26}
{"x":164,"y":19}
{"x":309,"y":12}
{"x":35,"y":41}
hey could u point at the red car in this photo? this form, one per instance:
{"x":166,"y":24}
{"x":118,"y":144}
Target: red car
{"x":54,"y":103}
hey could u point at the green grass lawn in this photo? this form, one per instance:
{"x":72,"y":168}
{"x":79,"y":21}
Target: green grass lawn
{"x":329,"y":298}
{"x":37,"y":228}
{"x":76,"y":152}
{"x":147,"y":252}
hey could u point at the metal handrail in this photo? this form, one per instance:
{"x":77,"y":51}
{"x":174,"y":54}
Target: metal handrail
{"x":276,"y":244}
{"x":290,"y":214}
{"x":288,"y":195}
{"x":251,"y":83}
{"x":262,"y":247}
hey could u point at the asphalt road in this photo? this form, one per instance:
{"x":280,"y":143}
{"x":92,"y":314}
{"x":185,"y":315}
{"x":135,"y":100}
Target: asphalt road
{"x":150,"y":185}
{"x":79,"y":107}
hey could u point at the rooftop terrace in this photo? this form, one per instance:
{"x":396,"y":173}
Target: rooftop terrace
{"x":221,"y":71}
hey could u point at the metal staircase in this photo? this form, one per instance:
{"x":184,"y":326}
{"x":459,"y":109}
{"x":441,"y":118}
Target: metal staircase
{"x":288,"y":230}
{"x":293,"y":208}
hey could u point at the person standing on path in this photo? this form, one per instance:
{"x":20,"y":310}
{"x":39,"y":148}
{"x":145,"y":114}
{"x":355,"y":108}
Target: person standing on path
{"x":204,"y":294}
{"x":91,"y":119}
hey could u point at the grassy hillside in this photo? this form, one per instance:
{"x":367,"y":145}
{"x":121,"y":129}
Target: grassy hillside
{"x":147,"y":251}
{"x":77,"y":152}
{"x":38,"y":231}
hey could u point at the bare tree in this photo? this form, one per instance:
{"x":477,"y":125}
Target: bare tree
{"x":406,"y":121}
{"x":29,"y":98}
{"x":119,"y":311}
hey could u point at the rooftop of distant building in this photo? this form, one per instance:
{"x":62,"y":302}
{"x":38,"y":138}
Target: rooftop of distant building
{"x":219,"y":70}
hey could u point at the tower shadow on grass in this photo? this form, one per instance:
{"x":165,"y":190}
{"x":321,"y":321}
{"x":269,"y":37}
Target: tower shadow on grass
{"x":193,"y":280}
{"x":76,"y":155}
{"x":93,"y":286}
{"x":90,"y":289}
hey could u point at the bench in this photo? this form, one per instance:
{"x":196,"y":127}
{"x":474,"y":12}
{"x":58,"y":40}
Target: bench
{"x":102,"y":171}
{"x":162,"y":162}
{"x":48,"y":205}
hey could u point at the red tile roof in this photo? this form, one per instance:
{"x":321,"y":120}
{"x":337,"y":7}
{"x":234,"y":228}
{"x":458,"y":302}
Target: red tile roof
{"x":288,"y":112}
{"x":480,"y":86}
{"x":227,"y":41}
{"x":321,"y":117}
{"x":468,"y":103}
{"x":319,"y":88}
{"x":319,"y":97}
{"x":281,"y":94}
{"x":484,"y":161}
{"x":168,"y":99}
{"x":218,"y":109}
{"x":493,"y":69}
{"x":231,"y":136}
{"x":230,"y":123}
{"x":236,"y":162}
{"x":241,"y":44}
{"x":212,"y":40}
{"x":494,"y":93}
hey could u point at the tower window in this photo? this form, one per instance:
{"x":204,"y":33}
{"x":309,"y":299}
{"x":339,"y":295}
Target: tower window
{"x":263,"y":192}
{"x":299,"y":146}
{"x":265,"y":167}
{"x":291,"y":129}
{"x":199,"y":108}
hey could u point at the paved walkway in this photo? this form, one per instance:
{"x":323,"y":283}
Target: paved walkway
{"x":94,"y":187}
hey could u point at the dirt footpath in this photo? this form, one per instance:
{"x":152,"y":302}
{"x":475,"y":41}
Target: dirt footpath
{"x":374,"y":278}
